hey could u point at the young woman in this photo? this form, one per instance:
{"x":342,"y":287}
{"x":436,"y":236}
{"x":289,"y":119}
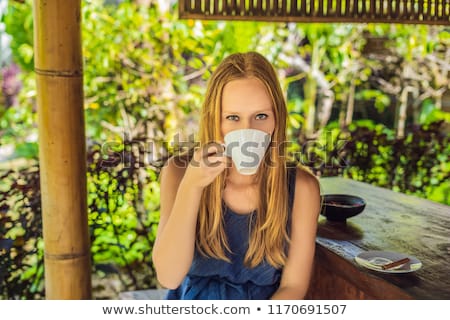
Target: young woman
{"x":224,"y":235}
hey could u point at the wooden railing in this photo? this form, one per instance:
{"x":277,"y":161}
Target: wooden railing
{"x":362,"y":11}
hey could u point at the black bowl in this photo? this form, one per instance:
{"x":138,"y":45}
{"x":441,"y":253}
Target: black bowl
{"x":340,"y":207}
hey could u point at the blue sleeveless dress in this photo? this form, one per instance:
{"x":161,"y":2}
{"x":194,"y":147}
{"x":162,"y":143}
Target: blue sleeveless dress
{"x":215,"y":279}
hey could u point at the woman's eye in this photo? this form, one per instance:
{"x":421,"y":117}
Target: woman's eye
{"x":232,"y":118}
{"x":261,"y":116}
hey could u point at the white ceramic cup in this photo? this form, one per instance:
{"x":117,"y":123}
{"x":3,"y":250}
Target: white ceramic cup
{"x":246,"y":147}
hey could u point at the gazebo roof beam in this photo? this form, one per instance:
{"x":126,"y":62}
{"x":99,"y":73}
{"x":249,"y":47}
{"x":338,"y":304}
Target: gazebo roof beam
{"x":348,"y":11}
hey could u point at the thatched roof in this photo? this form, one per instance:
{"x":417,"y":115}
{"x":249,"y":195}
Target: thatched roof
{"x":358,"y":11}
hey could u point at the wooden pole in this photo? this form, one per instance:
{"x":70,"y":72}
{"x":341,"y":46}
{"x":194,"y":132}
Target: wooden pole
{"x":59,"y":76}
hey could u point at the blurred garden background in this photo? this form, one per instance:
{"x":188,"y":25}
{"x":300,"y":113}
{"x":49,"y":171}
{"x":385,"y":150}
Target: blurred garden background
{"x":370,"y":102}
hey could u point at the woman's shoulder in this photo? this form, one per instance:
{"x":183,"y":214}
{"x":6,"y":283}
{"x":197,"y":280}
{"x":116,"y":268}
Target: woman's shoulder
{"x":305,"y":180}
{"x":307,"y":193}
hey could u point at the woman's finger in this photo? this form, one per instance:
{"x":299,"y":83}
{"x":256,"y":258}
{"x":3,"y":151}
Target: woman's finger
{"x":213,"y":148}
{"x":216,"y":160}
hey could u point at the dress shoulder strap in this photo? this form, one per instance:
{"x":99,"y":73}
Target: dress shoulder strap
{"x":291,"y":174}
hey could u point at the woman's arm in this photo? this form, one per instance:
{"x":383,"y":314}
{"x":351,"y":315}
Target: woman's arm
{"x":181,"y":190}
{"x":297,"y":271}
{"x":174,"y":245}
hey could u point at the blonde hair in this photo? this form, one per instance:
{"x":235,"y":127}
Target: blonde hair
{"x":269,"y":236}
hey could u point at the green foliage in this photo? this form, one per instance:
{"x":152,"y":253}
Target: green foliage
{"x":369,"y":152}
{"x":18,"y":19}
{"x":381,"y":100}
{"x":21,"y":263}
{"x":430,"y":113}
{"x":27,"y":150}
{"x":142,"y":76}
{"x":18,"y":121}
{"x":123,"y":215}
{"x":144,"y":80}
{"x":416,"y":164}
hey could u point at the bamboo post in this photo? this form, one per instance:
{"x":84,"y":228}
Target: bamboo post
{"x":59,"y":77}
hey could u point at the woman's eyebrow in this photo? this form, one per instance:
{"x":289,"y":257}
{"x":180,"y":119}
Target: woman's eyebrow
{"x":230,"y":111}
{"x":238,"y":112}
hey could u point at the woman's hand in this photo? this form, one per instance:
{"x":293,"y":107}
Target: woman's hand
{"x":207,"y":163}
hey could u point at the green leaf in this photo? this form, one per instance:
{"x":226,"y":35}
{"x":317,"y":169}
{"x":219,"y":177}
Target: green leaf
{"x":28,"y":150}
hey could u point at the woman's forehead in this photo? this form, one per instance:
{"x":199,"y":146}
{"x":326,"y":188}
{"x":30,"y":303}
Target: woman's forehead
{"x":244,"y":94}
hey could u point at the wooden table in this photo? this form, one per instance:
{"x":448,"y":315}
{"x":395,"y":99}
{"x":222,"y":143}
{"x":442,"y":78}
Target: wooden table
{"x":391,"y":221}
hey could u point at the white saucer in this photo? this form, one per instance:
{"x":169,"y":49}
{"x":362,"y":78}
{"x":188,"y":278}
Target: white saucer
{"x":374,"y":260}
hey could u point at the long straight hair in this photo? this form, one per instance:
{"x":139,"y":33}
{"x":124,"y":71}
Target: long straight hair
{"x":268,"y":237}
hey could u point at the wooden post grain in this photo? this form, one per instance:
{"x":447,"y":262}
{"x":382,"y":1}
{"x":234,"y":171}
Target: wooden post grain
{"x":59,"y":76}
